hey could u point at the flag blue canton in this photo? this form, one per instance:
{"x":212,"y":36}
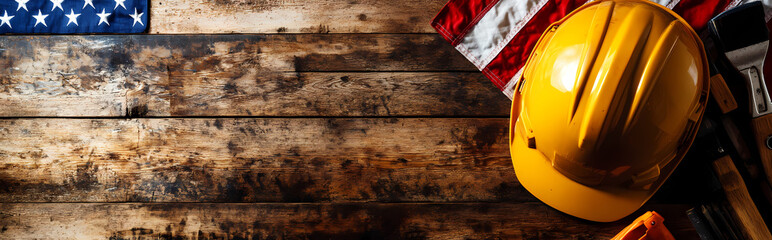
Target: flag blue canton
{"x":73,"y":16}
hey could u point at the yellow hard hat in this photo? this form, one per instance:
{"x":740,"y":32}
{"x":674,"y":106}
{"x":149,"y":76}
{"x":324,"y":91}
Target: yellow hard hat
{"x":607,"y":105}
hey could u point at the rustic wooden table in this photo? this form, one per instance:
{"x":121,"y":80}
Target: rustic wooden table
{"x":327,"y":120}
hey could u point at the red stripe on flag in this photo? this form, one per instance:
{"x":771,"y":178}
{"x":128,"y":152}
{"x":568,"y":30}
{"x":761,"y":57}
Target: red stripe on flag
{"x":458,"y":16}
{"x":513,"y":56}
{"x":698,"y":12}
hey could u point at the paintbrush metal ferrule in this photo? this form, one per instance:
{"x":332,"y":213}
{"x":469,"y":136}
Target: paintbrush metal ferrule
{"x":749,"y":61}
{"x":743,"y":36}
{"x":747,"y":57}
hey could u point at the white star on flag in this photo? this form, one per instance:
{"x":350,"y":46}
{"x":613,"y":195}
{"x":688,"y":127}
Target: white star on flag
{"x":6,"y":19}
{"x":119,"y":3}
{"x":22,"y":4}
{"x":57,"y":4}
{"x":44,"y":17}
{"x":72,"y":17}
{"x":103,"y":17}
{"x":88,"y":3}
{"x":40,"y":18}
{"x":137,"y":18}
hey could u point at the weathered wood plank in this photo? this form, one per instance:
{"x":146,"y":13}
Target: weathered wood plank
{"x":179,"y":53}
{"x":293,"y":16}
{"x":240,"y":75}
{"x":256,"y":160}
{"x":324,"y":94}
{"x":313,"y":221}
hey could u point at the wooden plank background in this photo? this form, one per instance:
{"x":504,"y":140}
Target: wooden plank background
{"x":293,"y":16}
{"x":319,"y":120}
{"x":306,"y":221}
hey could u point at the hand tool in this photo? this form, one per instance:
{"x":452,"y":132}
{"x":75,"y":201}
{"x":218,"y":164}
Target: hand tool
{"x":743,"y":217}
{"x":701,"y":225}
{"x":649,"y":226}
{"x":742,"y":207}
{"x":741,"y":34}
{"x":719,"y":91}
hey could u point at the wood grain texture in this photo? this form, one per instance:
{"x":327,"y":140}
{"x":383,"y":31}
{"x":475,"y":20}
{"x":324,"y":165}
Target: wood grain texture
{"x":256,"y":160}
{"x":743,"y":210}
{"x":312,"y":221}
{"x":289,"y":176}
{"x":292,"y":16}
{"x":323,"y":94}
{"x":762,"y":131}
{"x":722,"y":94}
{"x":241,"y":75}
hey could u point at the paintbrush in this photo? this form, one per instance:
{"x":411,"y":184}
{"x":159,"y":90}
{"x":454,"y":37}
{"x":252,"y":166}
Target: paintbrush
{"x":741,"y":34}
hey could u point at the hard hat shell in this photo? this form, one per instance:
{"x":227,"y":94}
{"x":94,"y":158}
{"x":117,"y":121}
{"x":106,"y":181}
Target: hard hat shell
{"x":607,"y":105}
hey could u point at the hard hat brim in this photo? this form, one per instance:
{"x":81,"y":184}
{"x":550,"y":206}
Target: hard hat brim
{"x":536,"y":174}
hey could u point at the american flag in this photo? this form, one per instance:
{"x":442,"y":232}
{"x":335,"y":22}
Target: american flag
{"x":498,"y":35}
{"x":73,"y":16}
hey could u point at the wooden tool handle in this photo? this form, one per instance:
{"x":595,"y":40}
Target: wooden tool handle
{"x":721,"y":93}
{"x":743,"y":209}
{"x":762,"y":131}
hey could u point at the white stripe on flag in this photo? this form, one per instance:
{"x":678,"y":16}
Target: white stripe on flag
{"x":494,"y":30}
{"x":509,"y":89}
{"x":668,"y":4}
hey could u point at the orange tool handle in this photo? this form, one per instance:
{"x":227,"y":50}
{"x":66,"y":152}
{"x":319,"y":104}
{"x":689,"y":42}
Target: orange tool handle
{"x":648,"y":226}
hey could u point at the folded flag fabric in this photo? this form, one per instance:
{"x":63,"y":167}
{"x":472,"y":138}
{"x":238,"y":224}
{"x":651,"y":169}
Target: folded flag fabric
{"x":73,"y":16}
{"x":497,"y":35}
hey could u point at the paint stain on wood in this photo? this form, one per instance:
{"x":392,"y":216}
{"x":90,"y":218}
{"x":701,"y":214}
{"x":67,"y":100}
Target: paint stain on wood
{"x":85,"y":177}
{"x":138,"y":111}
